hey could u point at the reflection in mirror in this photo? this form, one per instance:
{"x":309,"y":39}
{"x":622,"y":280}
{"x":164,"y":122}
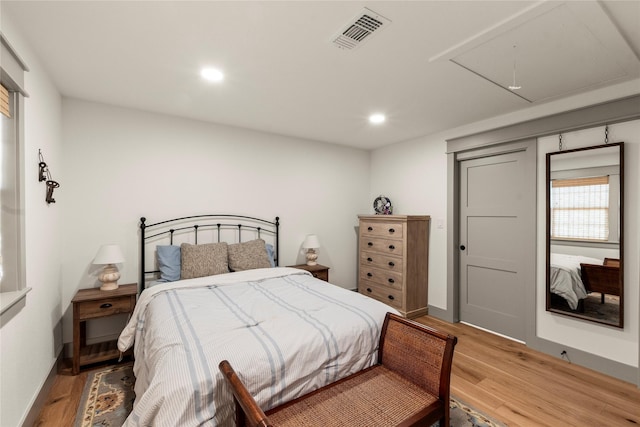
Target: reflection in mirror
{"x":585,"y":233}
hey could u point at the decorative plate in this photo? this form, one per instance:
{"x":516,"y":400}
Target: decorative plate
{"x":382,"y":205}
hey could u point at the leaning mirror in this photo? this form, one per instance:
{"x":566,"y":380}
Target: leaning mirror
{"x":585,"y":203}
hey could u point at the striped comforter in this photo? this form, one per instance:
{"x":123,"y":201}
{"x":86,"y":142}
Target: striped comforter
{"x":285,"y":333}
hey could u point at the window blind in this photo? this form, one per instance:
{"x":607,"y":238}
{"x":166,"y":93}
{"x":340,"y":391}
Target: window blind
{"x":4,"y":101}
{"x":580,"y":208}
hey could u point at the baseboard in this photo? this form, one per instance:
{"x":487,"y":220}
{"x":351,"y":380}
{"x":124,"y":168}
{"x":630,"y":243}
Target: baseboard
{"x":609,"y":367}
{"x":440,"y":313}
{"x":40,"y":400}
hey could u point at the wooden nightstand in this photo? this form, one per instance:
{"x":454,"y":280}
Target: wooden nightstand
{"x":93,"y":304}
{"x":318,"y":271}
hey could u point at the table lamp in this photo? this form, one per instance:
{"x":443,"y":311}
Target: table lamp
{"x":109,"y":255}
{"x":311,"y":243}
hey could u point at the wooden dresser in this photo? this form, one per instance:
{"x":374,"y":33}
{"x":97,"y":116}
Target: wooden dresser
{"x":394,"y":261}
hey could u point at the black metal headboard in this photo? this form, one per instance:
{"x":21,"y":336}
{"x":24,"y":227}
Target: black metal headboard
{"x":188,"y":228}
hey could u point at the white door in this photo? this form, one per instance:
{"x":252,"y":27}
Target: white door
{"x":495,"y":220}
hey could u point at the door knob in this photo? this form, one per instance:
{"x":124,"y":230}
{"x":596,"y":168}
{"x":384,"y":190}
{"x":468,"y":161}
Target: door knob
{"x":463,"y":247}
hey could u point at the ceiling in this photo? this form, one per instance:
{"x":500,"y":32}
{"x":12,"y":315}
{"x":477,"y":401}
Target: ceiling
{"x":434,"y":65}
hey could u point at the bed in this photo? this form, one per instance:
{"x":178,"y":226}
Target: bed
{"x":566,"y":277}
{"x":285,"y":331}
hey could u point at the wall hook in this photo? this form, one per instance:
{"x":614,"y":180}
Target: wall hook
{"x":45,"y":175}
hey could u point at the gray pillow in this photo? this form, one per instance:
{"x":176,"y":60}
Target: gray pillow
{"x":248,"y":255}
{"x":272,"y":255}
{"x":168,"y":262}
{"x":203,"y":260}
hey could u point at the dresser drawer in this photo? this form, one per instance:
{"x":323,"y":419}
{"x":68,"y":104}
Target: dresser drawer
{"x":105,"y":307}
{"x":392,"y":297}
{"x":378,"y":260}
{"x":380,"y":245}
{"x":381,"y":277}
{"x":391,"y":230}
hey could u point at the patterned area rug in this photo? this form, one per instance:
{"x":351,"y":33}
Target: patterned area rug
{"x":108,"y":398}
{"x":463,"y":415}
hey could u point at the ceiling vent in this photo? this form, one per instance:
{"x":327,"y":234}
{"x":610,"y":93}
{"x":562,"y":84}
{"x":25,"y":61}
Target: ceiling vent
{"x":360,"y":29}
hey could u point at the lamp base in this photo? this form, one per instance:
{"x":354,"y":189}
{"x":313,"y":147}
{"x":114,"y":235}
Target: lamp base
{"x":109,"y":278}
{"x":312,"y":256}
{"x":109,"y":286}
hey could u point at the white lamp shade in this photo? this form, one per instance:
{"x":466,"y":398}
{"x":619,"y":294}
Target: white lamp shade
{"x":311,"y":242}
{"x":109,"y":254}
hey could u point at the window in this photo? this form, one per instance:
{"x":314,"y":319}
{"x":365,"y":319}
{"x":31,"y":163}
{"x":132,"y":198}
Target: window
{"x":580,"y":208}
{"x":12,"y":266}
{"x":9,"y":200}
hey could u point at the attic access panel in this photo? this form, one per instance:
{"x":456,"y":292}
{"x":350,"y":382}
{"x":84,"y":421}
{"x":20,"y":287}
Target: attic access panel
{"x":569,"y":49}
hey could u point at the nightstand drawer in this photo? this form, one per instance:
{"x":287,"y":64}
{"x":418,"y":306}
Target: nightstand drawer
{"x":104,"y":307}
{"x":321,"y":274}
{"x":318,"y":271}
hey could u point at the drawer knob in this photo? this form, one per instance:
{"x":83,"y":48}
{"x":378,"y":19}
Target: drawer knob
{"x":106,"y":305}
{"x":391,"y":297}
{"x":369,"y":275}
{"x":392,"y":264}
{"x":392,"y":247}
{"x":369,"y":259}
{"x":370,"y":228}
{"x":368,"y":289}
{"x":391,"y":230}
{"x":391,"y":281}
{"x":370,"y":244}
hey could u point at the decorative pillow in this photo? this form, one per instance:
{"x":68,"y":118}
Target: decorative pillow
{"x":203,"y":260}
{"x":168,"y":262}
{"x":272,"y":255}
{"x":248,"y":255}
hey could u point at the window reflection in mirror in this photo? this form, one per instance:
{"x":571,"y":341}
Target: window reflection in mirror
{"x":585,"y":233}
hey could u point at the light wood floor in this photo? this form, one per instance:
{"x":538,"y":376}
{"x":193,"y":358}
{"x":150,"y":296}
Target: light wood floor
{"x":502,"y":378}
{"x":522,"y":387}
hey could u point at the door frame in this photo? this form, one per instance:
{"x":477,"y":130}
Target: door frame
{"x":529,"y":147}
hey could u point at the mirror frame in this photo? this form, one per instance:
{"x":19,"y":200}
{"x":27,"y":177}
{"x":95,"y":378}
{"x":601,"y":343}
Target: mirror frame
{"x":620,"y":323}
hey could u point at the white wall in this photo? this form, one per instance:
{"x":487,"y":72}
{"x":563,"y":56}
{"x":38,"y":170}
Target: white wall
{"x":414,"y":176}
{"x":121,"y":164}
{"x":616,"y":344}
{"x":31,"y":340}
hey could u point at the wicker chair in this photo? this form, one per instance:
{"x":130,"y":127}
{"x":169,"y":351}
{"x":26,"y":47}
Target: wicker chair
{"x":409,"y":386}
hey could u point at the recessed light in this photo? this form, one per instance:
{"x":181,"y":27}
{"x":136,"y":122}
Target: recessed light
{"x":212,"y":74}
{"x":377,"y":118}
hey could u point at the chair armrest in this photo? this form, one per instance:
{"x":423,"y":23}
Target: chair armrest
{"x":251,"y":414}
